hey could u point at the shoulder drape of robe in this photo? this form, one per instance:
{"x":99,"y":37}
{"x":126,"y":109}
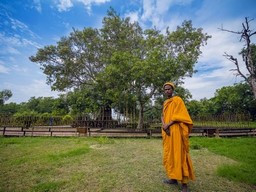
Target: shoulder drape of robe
{"x":176,"y":158}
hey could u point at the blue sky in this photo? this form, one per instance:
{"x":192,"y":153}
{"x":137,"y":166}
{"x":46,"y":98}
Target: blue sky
{"x":26,"y":25}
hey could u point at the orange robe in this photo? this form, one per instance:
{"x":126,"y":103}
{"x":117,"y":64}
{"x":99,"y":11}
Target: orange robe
{"x":176,"y":158}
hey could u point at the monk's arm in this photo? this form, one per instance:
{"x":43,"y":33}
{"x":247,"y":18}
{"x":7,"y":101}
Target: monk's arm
{"x":166,"y":125}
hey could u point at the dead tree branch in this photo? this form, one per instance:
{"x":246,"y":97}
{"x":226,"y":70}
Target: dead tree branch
{"x":248,"y":51}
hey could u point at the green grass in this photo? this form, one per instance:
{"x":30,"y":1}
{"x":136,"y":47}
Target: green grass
{"x":242,"y":150}
{"x":37,"y":164}
{"x":226,"y":124}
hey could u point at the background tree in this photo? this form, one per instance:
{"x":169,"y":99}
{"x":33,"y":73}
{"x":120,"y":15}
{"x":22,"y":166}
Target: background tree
{"x":85,"y":100}
{"x":228,"y":101}
{"x":9,"y":108}
{"x":248,"y":54}
{"x":5,"y":95}
{"x":233,"y":99}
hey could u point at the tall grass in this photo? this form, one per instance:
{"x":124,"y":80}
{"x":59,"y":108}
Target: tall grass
{"x":111,"y":165}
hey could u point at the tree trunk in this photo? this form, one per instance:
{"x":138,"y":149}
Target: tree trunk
{"x":141,"y":113}
{"x":252,"y":83}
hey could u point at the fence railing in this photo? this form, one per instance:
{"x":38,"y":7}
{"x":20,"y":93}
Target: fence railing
{"x":118,"y":132}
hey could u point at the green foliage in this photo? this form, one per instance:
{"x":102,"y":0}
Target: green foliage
{"x":233,"y":98}
{"x":5,"y":95}
{"x":73,"y":62}
{"x":10,"y":108}
{"x":229,"y":100}
{"x":85,"y":101}
{"x":67,"y":119}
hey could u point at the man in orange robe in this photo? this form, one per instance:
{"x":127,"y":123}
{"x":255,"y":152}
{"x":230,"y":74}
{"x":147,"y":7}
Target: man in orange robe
{"x":176,"y":126}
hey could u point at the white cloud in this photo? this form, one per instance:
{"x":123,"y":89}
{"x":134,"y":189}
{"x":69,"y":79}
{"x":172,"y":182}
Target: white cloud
{"x":37,"y":5}
{"x":13,"y":44}
{"x":19,"y":27}
{"x":20,"y":69}
{"x":37,"y":88}
{"x":65,"y":5}
{"x":134,"y":16}
{"x":4,"y":69}
{"x":148,"y":8}
{"x":156,"y":11}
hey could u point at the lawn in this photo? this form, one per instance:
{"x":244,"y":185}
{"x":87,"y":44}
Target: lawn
{"x":102,"y":164}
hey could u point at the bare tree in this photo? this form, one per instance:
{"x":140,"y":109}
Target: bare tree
{"x":248,"y":53}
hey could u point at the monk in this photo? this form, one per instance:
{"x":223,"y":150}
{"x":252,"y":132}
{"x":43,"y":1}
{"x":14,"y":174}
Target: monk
{"x":176,"y":126}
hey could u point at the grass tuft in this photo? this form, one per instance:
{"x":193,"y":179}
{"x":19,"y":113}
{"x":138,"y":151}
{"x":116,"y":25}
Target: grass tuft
{"x":48,"y":186}
{"x":69,"y":154}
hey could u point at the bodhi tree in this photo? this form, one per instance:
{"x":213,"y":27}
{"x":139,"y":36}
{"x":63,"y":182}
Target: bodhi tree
{"x":139,"y":62}
{"x":125,"y":64}
{"x":248,"y":54}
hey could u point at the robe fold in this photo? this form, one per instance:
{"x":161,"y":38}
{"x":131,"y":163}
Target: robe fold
{"x":176,"y":158}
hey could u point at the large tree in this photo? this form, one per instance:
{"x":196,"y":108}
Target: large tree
{"x":248,"y":54}
{"x":139,"y":62}
{"x":125,"y":65}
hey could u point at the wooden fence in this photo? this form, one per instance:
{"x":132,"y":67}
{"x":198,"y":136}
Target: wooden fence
{"x":118,"y":132}
{"x":38,"y":131}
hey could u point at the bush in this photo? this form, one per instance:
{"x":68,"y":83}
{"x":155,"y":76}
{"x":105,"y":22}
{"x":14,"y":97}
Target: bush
{"x":67,"y":119}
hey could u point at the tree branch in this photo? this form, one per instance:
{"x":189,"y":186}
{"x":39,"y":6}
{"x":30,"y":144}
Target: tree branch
{"x":235,"y":61}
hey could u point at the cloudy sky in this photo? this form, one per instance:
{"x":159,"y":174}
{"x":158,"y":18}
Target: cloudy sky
{"x":26,"y":25}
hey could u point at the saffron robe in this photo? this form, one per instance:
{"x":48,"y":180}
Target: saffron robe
{"x":176,"y":158}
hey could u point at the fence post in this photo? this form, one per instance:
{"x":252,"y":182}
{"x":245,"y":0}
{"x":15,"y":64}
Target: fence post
{"x":50,"y":130}
{"x":24,"y":132}
{"x":149,"y":133}
{"x":4,"y":130}
{"x":217,"y":133}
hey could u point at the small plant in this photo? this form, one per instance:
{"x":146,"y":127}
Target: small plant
{"x":104,"y":140}
{"x":196,"y":146}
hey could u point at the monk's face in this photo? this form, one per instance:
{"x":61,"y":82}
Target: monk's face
{"x":168,"y":90}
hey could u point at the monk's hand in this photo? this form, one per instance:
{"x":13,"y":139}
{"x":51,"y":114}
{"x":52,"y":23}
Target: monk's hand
{"x":166,"y":128}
